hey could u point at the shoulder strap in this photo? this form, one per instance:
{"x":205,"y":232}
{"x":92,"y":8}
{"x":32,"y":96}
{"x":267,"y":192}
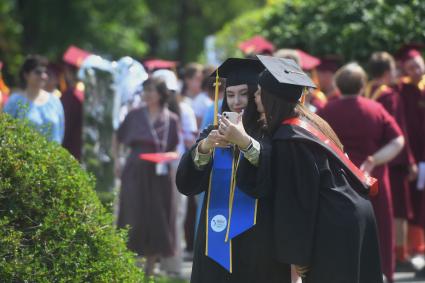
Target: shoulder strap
{"x":370,"y":183}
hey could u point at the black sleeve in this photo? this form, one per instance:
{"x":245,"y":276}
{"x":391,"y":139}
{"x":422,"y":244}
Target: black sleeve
{"x":296,"y":180}
{"x":256,"y":180}
{"x":189,"y":179}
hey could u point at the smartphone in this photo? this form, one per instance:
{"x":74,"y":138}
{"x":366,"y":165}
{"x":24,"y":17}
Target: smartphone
{"x":231,"y":116}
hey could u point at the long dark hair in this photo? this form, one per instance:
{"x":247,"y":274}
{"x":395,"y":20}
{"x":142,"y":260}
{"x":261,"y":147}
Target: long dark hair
{"x":173,"y":103}
{"x":166,"y":97}
{"x":278,"y":110}
{"x":251,"y":117}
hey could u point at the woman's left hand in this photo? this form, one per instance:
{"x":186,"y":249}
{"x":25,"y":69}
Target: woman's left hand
{"x":234,"y":133}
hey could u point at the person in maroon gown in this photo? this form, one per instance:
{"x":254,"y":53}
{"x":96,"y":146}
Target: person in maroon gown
{"x":72,"y":101}
{"x":325,"y":76}
{"x":372,"y":138}
{"x":413,"y":97}
{"x":383,"y":89}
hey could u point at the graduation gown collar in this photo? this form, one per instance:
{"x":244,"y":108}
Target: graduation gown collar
{"x":301,"y":130}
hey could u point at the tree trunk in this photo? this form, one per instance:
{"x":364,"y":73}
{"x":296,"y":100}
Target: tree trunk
{"x":182,"y":31}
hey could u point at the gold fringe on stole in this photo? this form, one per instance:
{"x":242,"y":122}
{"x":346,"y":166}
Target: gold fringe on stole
{"x":235,"y":163}
{"x":206,"y":212}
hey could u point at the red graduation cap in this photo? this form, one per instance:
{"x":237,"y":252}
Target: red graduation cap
{"x":256,"y":45}
{"x":409,"y":51}
{"x":307,"y":61}
{"x":160,"y":157}
{"x":154,"y":64}
{"x":329,"y":63}
{"x":75,"y":56}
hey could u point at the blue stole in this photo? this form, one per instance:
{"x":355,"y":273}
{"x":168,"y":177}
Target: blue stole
{"x":230,"y":211}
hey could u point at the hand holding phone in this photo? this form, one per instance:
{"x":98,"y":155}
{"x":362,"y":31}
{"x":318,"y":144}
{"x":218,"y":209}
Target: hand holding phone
{"x":231,"y":128}
{"x":231,"y":116}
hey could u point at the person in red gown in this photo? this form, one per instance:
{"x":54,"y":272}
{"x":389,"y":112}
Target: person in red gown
{"x":372,"y":138}
{"x":383,"y":89}
{"x":72,"y":101}
{"x":325,"y":75}
{"x":413,"y":96}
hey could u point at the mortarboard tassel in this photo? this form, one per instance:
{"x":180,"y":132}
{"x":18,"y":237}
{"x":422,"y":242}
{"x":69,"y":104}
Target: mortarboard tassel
{"x":217,"y":86}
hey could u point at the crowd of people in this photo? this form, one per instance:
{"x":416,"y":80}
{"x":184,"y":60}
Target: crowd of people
{"x":374,"y":114}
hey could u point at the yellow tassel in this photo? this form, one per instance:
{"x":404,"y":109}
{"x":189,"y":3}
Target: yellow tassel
{"x":217,"y":86}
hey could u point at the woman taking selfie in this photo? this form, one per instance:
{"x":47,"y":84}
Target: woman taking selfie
{"x":322,"y":217}
{"x":234,"y":241}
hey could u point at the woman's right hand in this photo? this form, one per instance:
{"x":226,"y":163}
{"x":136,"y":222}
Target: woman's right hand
{"x":413,"y":172}
{"x":214,"y":139}
{"x":368,"y":165}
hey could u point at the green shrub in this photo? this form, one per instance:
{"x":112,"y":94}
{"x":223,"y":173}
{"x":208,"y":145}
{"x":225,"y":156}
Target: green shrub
{"x":52,"y":226}
{"x":351,"y":28}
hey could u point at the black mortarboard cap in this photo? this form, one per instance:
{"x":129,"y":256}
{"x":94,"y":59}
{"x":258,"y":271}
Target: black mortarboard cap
{"x":283,"y":77}
{"x":238,"y":71}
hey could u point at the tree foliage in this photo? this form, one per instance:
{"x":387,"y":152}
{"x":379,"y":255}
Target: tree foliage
{"x":178,"y":28}
{"x":103,"y":26}
{"x":173,"y":29}
{"x":10,"y":34}
{"x":350,"y":28}
{"x":48,"y":27}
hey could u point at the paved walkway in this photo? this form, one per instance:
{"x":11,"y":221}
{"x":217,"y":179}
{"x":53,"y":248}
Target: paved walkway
{"x":401,"y":277}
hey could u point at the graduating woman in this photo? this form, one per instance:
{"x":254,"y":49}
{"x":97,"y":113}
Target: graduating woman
{"x":234,"y":239}
{"x":412,"y":90}
{"x":323,"y":221}
{"x":402,"y":169}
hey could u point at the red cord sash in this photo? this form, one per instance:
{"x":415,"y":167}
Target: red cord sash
{"x":365,"y":179}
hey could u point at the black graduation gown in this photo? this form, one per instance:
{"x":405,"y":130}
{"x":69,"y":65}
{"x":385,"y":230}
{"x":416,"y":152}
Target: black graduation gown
{"x":321,"y":217}
{"x":253,"y":256}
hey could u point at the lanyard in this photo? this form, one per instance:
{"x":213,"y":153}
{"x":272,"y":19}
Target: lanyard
{"x":160,"y":144}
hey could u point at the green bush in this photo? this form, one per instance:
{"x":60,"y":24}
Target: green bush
{"x":350,"y":28}
{"x":52,"y":226}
